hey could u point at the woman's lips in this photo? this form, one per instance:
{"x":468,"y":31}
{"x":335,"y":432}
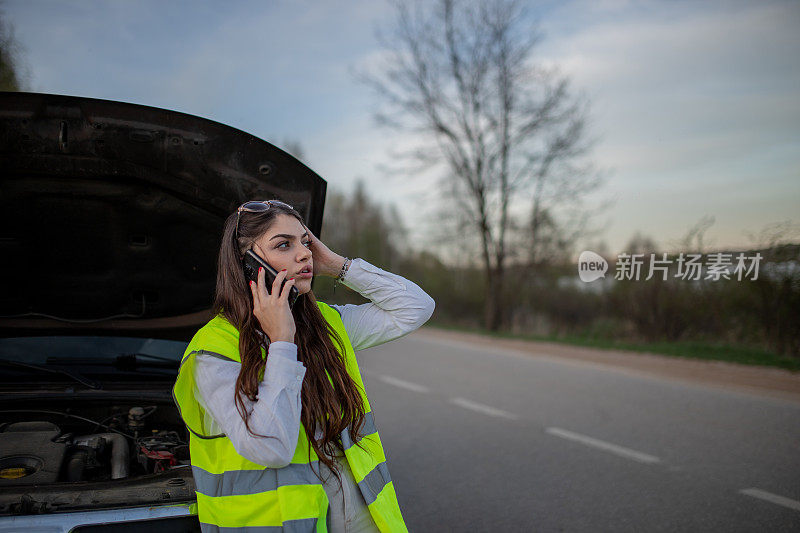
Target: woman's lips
{"x":305,"y":275}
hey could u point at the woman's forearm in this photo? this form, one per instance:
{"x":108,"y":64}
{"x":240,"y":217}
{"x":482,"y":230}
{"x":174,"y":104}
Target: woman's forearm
{"x":397,"y":306}
{"x":275,"y":414}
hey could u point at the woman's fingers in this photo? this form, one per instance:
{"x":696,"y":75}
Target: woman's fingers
{"x":314,"y":242}
{"x":272,"y":313}
{"x":255,"y":288}
{"x":276,"y":284}
{"x":326,"y":262}
{"x":286,"y":288}
{"x":261,"y":275}
{"x":256,"y":295}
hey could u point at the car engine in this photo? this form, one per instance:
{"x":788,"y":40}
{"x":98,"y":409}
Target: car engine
{"x":61,"y":453}
{"x":39,"y":451}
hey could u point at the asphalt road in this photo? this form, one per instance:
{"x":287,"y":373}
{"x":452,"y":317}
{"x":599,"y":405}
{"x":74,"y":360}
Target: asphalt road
{"x":494,"y":440}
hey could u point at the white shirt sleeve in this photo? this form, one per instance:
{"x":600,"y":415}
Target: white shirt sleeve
{"x":275,"y":414}
{"x":398,"y":306}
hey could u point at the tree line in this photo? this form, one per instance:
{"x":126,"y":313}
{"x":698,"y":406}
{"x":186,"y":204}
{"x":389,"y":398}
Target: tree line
{"x":548,"y":299}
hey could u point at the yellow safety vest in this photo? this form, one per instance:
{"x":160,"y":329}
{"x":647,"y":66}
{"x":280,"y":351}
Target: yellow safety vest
{"x":234,"y":492}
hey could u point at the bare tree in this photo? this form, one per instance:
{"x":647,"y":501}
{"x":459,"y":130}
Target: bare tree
{"x":641,"y":244}
{"x":13,"y":73}
{"x":775,"y":234}
{"x":463,"y":76}
{"x":693,"y":239}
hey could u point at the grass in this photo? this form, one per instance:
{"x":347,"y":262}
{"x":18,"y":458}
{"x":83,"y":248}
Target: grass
{"x":687,"y":349}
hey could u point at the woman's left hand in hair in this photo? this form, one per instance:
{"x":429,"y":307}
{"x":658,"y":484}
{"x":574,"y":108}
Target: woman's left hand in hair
{"x":326,"y":262}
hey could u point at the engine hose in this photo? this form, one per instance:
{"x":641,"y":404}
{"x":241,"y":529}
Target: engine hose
{"x":119,"y":451}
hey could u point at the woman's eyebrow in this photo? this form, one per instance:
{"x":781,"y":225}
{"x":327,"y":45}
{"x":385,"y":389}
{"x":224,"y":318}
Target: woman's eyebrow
{"x":287,"y":236}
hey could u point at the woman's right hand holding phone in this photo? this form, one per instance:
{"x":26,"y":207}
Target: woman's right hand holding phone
{"x":272,"y":308}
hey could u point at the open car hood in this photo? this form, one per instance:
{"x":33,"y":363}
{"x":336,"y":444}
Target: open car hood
{"x":111,"y":213}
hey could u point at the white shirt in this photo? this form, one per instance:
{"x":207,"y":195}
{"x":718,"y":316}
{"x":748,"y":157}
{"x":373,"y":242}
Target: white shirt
{"x":398,"y":307}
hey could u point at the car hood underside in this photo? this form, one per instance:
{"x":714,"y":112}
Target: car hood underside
{"x":112,"y":213}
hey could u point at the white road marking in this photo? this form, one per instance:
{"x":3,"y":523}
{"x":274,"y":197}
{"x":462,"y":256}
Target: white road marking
{"x":485,"y":409}
{"x":402,"y":384}
{"x":772,"y":498}
{"x":613,"y":448}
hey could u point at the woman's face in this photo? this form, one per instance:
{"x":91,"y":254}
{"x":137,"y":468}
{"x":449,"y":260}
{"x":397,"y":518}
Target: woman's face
{"x":285,"y":245}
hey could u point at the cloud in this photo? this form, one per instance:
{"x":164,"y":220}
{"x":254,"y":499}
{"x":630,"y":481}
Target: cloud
{"x":686,"y":97}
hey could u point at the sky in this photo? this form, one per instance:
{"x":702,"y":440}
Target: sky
{"x":695,"y":106}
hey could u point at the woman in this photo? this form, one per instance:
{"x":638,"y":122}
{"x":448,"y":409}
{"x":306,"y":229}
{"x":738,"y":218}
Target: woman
{"x":273,"y":396}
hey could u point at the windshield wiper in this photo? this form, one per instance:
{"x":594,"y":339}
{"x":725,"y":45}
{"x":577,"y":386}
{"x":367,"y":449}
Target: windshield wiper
{"x":76,"y":377}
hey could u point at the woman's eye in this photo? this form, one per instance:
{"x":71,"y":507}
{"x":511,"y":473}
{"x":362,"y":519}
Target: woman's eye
{"x":286,"y":244}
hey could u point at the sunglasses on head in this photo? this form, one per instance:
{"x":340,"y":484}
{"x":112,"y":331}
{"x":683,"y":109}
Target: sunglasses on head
{"x":256,"y":206}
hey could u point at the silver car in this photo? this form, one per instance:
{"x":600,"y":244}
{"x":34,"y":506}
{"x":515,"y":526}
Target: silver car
{"x":111,"y":220}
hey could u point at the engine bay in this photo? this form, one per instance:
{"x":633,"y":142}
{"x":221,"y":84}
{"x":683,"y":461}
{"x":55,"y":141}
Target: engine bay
{"x":67,"y":454}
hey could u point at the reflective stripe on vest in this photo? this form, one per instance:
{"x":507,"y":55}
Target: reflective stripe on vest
{"x":292,"y":526}
{"x":235,"y":494}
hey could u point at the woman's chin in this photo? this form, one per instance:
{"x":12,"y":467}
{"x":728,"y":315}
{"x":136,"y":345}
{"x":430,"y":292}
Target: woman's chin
{"x":303,"y":286}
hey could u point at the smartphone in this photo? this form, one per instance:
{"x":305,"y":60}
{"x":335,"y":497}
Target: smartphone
{"x":251,"y":262}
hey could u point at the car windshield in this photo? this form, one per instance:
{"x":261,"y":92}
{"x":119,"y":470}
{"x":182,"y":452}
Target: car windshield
{"x":61,"y":350}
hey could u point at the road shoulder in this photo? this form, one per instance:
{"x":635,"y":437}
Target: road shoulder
{"x":765,"y":381}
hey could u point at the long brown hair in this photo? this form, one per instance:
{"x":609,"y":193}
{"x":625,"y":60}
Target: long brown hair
{"x":333,"y":406}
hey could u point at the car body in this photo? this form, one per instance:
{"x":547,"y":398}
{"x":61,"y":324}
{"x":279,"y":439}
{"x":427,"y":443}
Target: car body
{"x":111,"y":220}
